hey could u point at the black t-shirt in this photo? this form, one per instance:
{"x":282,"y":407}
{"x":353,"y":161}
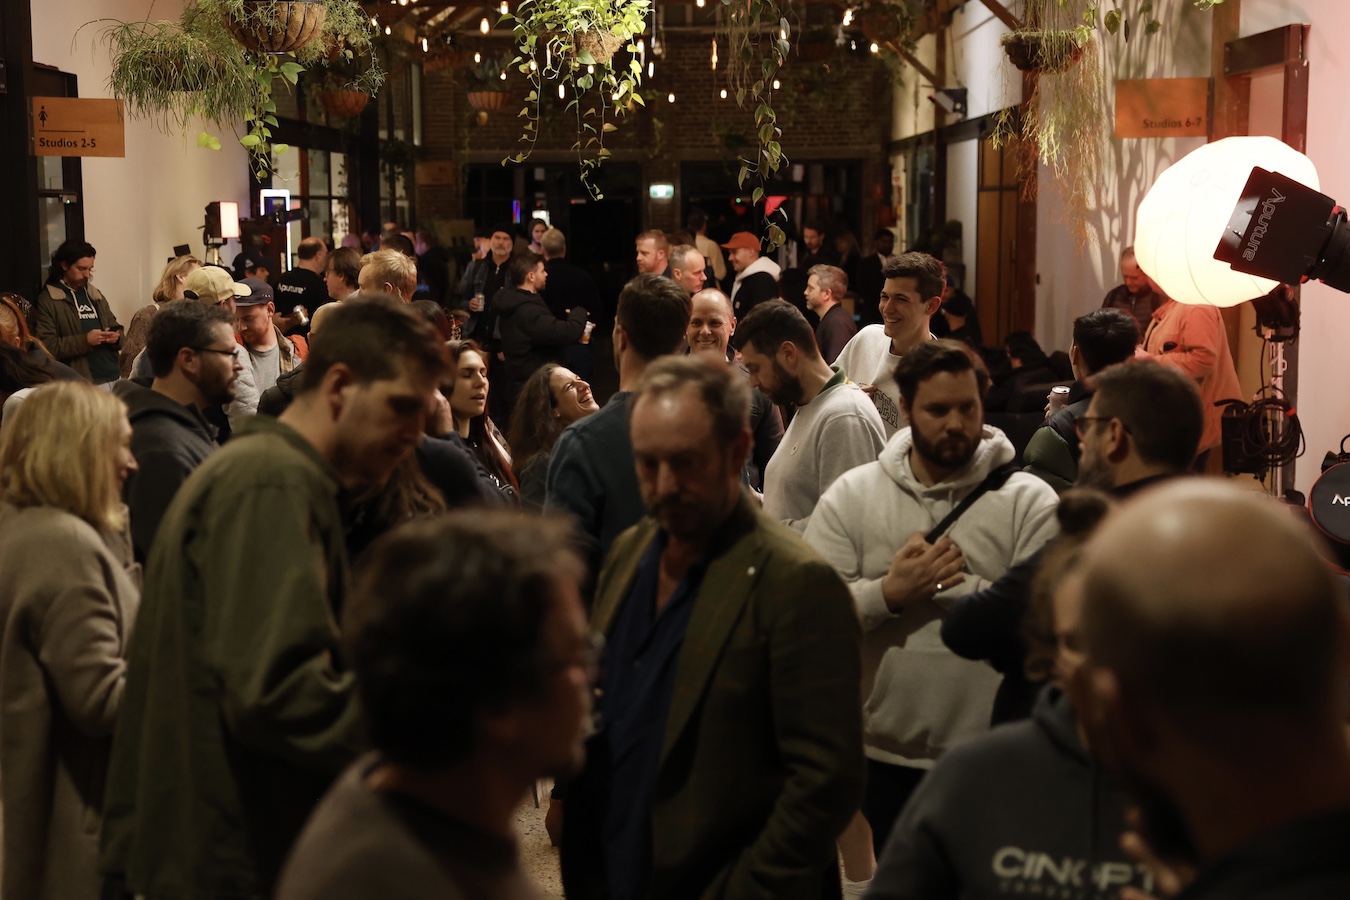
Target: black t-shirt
{"x":300,"y":286}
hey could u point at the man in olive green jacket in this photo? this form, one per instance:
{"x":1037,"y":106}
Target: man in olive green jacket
{"x":238,"y":711}
{"x":730,"y":756}
{"x":74,"y":320}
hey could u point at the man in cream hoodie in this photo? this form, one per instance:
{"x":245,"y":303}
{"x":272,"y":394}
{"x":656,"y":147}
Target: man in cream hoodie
{"x":871,"y":525}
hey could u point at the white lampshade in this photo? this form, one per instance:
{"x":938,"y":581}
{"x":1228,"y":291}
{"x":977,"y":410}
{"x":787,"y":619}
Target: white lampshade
{"x":1182,"y":218}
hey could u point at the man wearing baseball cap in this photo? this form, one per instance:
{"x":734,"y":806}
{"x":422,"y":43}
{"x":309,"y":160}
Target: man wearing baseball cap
{"x":270,"y":352}
{"x":756,"y":276}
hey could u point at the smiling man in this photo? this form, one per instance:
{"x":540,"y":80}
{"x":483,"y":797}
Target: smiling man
{"x":729,"y":756}
{"x":912,"y":294}
{"x":920,"y":698}
{"x":238,"y":711}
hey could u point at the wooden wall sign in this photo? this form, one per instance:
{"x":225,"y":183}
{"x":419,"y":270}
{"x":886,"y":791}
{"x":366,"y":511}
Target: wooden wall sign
{"x":71,"y":126}
{"x":435,"y":172}
{"x":1163,"y":107}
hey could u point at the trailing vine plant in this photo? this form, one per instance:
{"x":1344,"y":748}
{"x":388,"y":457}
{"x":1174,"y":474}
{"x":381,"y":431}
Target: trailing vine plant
{"x":573,"y":43}
{"x":757,"y":36}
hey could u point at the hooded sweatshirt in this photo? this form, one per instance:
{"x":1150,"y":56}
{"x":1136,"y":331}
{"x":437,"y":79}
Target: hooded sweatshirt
{"x":531,"y":334}
{"x":920,"y":698}
{"x":1019,"y":812}
{"x":754,"y":284}
{"x":169,"y":441}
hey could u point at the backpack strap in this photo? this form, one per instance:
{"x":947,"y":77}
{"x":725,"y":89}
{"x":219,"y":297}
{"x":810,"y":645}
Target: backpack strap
{"x":992,"y":482}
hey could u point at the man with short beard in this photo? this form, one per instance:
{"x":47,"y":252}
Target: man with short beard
{"x":835,"y":427}
{"x":920,"y":698}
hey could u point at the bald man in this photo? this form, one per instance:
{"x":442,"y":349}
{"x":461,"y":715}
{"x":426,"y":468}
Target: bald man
{"x":1215,"y":688}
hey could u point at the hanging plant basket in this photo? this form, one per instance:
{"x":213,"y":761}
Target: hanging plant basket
{"x":881,"y":25}
{"x":277,"y":26}
{"x":176,"y":74}
{"x":601,"y":45}
{"x":344,"y":104}
{"x":488,"y":101}
{"x":1043,"y":52}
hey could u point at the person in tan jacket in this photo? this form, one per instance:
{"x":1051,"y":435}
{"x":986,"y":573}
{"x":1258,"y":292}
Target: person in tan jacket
{"x":66,"y":613}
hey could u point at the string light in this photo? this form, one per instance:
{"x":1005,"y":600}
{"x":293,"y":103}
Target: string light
{"x":670,"y":97}
{"x":484,"y":26}
{"x":874,"y":48}
{"x":714,"y":55}
{"x":782,"y":34}
{"x":374,"y":22}
{"x":651,"y":69}
{"x":724,"y":93}
{"x":562,"y":92}
{"x":848,"y":17}
{"x":503,"y":76}
{"x":477,"y":58}
{"x":534,"y":66}
{"x":388,"y":30}
{"x":642,"y":47}
{"x":424,"y":45}
{"x":505,"y":9}
{"x":776,"y":85}
{"x":699,"y":3}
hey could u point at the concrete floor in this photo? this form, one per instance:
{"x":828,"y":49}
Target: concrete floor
{"x":538,"y":857}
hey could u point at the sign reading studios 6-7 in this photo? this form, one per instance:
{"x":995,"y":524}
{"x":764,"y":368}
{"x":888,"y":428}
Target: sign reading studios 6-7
{"x":71,"y":126}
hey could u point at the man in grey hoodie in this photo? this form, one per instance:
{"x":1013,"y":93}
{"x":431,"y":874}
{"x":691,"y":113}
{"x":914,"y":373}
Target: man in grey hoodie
{"x":871,"y":524}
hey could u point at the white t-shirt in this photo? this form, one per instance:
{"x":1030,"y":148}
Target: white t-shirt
{"x":867,"y":359}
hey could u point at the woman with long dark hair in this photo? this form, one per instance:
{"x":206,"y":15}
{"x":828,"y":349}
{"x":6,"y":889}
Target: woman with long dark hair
{"x":468,"y":396}
{"x":550,"y":400}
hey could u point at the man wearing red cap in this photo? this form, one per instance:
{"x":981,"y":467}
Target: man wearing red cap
{"x":756,"y":276}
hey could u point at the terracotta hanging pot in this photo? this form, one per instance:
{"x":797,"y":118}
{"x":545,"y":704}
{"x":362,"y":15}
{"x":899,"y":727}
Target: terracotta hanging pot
{"x":488,"y":101}
{"x":344,"y":104}
{"x":292,"y":25}
{"x":1043,"y":52}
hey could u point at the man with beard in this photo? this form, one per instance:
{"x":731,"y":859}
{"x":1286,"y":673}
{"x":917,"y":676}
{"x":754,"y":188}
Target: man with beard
{"x":729,"y":757}
{"x":238,"y":711}
{"x":835,"y":427}
{"x":191,"y":351}
{"x":711,"y":326}
{"x":1215,"y":688}
{"x":871,"y":524}
{"x":1142,"y":425}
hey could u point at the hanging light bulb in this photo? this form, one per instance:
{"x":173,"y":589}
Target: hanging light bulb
{"x":776,"y":85}
{"x":699,"y":3}
{"x":477,"y":58}
{"x":670,"y":97}
{"x":642,"y":47}
{"x":484,"y":26}
{"x":874,"y":48}
{"x":374,"y":22}
{"x":562,"y":92}
{"x":424,"y":45}
{"x":714,"y":55}
{"x":724,"y":93}
{"x":505,"y":9}
{"x":853,"y":45}
{"x":848,"y":17}
{"x":503,"y":76}
{"x":388,"y":30}
{"x":782,"y":34}
{"x":534,"y":66}
{"x":651,"y":69}
{"x":590,"y":70}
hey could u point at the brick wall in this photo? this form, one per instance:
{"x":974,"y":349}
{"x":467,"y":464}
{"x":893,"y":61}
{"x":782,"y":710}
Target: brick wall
{"x":836,"y":108}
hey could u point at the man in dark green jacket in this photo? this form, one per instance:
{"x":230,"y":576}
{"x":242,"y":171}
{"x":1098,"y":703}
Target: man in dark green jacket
{"x":238,"y":709}
{"x":73,"y":318}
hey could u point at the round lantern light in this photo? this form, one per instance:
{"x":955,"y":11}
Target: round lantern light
{"x":1182,"y":218}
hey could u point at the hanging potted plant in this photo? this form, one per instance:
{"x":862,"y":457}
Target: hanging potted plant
{"x":170,"y":72}
{"x":346,"y":85}
{"x":1053,"y":36}
{"x":487,"y":86}
{"x":573,"y":43}
{"x":274,"y":26}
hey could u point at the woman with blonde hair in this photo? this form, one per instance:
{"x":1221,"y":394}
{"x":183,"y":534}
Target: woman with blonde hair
{"x":70,"y":597}
{"x":170,"y":287}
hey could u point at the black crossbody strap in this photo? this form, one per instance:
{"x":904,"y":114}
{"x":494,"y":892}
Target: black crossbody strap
{"x":992,"y":482}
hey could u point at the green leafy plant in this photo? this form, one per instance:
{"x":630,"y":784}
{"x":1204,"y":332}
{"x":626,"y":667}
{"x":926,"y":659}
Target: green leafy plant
{"x":171,"y":72}
{"x":757,"y":36}
{"x":1115,"y":21}
{"x":574,"y":43}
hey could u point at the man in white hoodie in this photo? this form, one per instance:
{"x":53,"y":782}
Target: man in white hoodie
{"x":911,"y":295}
{"x":756,"y":276}
{"x":871,"y":525}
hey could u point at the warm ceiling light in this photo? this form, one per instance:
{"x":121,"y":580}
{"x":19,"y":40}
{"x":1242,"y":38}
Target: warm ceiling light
{"x":562,"y":92}
{"x":724,"y":93}
{"x":651,"y":69}
{"x":424,"y":45}
{"x":776,"y":85}
{"x":670,"y":97}
{"x":388,"y":30}
{"x":477,"y":58}
{"x":484,"y":26}
{"x":874,"y":48}
{"x":848,"y":17}
{"x":503,"y":76}
{"x":505,"y":9}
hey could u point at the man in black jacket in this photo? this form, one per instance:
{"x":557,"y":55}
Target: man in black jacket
{"x":191,"y":351}
{"x":531,"y":334}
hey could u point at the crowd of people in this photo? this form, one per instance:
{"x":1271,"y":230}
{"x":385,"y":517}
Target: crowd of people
{"x":306,"y":578}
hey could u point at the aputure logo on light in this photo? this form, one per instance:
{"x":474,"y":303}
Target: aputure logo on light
{"x":1262,"y":224}
{"x":1340,"y":500}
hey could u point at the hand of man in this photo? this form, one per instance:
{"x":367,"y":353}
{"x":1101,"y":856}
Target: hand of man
{"x":868,"y":389}
{"x":96,"y":337}
{"x":919,"y":570}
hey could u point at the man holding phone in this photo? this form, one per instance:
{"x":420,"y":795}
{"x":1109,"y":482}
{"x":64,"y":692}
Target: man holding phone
{"x":74,"y":320}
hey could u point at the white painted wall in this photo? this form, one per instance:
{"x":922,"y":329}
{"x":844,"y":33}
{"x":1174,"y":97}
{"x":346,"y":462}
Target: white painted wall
{"x":138,"y":207}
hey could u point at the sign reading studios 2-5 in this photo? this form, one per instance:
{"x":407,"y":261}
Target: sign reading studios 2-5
{"x":70,"y":126}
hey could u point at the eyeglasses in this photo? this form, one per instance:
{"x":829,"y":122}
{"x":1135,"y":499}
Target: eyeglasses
{"x":229,"y":353}
{"x":1080,"y":424}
